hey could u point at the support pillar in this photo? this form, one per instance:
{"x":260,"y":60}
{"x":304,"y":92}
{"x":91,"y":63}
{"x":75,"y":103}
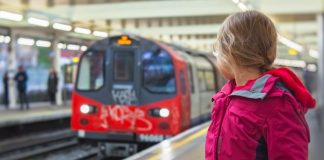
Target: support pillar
{"x":58,"y":69}
{"x":320,"y":85}
{"x":12,"y":66}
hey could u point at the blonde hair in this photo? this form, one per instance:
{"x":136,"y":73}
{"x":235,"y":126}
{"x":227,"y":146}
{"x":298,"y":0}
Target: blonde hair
{"x":249,"y":39}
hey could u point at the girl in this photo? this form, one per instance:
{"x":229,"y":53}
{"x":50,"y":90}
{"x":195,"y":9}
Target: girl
{"x":259,"y":113}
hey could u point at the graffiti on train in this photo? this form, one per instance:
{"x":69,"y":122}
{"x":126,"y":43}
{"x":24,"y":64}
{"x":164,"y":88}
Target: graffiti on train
{"x":103,"y":116}
{"x":131,"y":118}
{"x":124,"y":96}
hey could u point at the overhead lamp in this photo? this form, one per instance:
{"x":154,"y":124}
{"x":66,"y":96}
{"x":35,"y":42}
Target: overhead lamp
{"x":42,"y":43}
{"x":311,"y":67}
{"x":10,"y":16}
{"x":7,"y":39}
{"x":38,"y":22}
{"x":73,"y":47}
{"x":4,"y":39}
{"x":61,"y":26}
{"x":236,"y":1}
{"x":84,"y":48}
{"x":100,"y":34}
{"x":26,"y":41}
{"x":242,"y":6}
{"x":61,"y":46}
{"x":290,"y":63}
{"x":313,"y":53}
{"x":290,"y":43}
{"x":82,"y":30}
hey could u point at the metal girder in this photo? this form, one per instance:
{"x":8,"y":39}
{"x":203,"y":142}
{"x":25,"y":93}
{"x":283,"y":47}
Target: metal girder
{"x":143,"y":9}
{"x":176,"y":30}
{"x":176,"y":8}
{"x":297,"y":28}
{"x":288,"y":6}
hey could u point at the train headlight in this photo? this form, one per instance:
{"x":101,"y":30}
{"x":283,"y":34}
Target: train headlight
{"x":87,"y":109}
{"x":159,"y":112}
{"x":164,"y":112}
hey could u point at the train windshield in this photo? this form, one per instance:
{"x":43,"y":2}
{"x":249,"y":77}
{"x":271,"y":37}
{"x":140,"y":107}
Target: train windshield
{"x":158,"y":72}
{"x":123,"y":66}
{"x":91,"y":72}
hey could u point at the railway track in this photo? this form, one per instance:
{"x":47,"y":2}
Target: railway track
{"x":36,"y":145}
{"x":50,"y":145}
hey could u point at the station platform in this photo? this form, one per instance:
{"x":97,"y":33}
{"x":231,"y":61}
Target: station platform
{"x":191,"y":143}
{"x":187,"y":145}
{"x":37,"y":113}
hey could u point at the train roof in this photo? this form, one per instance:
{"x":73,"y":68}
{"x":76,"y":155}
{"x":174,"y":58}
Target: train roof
{"x":101,"y":44}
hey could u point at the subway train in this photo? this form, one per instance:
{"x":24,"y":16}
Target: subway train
{"x":130,"y":90}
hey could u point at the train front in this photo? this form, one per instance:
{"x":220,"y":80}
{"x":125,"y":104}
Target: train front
{"x":126,"y":93}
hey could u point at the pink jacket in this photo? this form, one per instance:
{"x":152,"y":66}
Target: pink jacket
{"x":262,"y":120}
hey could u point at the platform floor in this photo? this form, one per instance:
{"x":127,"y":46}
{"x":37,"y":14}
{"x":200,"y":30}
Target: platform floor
{"x":37,"y":113}
{"x":191,"y":145}
{"x":187,"y":145}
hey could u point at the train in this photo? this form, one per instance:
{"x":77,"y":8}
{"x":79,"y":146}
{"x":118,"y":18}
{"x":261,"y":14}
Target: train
{"x":132,"y":90}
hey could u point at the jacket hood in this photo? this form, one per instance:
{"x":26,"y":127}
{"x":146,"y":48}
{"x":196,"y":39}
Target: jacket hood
{"x":294,"y":84}
{"x":260,"y":88}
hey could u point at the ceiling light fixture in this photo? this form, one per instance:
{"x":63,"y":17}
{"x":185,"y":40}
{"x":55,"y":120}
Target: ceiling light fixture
{"x":63,"y":27}
{"x":42,"y":43}
{"x":11,"y":16}
{"x":290,"y":43}
{"x":83,"y":48}
{"x":26,"y":41}
{"x":73,"y":47}
{"x":100,"y":34}
{"x":61,"y":46}
{"x":38,"y":22}
{"x":82,"y":30}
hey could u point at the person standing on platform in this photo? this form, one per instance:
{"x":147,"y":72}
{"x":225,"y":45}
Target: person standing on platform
{"x":5,"y":81}
{"x":259,"y":114}
{"x":21,"y":79}
{"x":52,"y":86}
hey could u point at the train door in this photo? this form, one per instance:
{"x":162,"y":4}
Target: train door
{"x":195,"y":106}
{"x":122,"y":75}
{"x":122,"y":87}
{"x":206,"y":83}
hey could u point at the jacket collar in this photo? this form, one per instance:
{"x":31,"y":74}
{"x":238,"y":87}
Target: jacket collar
{"x":259,"y":89}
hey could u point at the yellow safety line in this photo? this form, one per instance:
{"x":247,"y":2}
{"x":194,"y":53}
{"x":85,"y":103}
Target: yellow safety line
{"x":176,"y":145}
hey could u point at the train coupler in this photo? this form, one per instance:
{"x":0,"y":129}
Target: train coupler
{"x":109,"y":149}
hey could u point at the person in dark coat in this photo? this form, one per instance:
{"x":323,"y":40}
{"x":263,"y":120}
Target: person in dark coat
{"x":21,"y":79}
{"x":52,"y":86}
{"x":5,"y":81}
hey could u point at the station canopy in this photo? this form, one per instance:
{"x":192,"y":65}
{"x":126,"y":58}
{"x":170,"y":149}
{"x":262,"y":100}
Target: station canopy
{"x":192,"y":23}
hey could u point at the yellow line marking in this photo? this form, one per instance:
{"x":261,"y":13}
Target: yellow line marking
{"x":180,"y":143}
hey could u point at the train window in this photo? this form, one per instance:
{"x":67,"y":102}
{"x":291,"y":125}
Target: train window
{"x":91,"y":71}
{"x":191,"y":79}
{"x":183,"y":82}
{"x":123,"y":66}
{"x":158,"y":72}
{"x":210,"y":80}
{"x":202,"y":81}
{"x":202,"y":63}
